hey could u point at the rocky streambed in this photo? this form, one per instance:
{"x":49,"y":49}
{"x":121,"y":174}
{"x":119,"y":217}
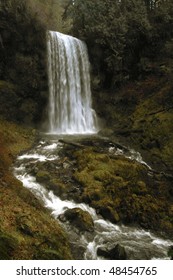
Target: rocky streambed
{"x":112,"y":204}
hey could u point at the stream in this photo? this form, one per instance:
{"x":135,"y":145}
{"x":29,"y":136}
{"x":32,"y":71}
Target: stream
{"x":138,"y":243}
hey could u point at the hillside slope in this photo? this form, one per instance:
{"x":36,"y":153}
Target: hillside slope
{"x":27,"y":230}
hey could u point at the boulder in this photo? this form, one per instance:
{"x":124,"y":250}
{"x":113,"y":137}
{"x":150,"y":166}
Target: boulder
{"x":80,"y":219}
{"x":170,"y":252}
{"x":116,"y":253}
{"x":42,"y":176}
{"x":109,"y":214}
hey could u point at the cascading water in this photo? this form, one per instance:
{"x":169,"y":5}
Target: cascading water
{"x":138,"y":243}
{"x":70,"y":110}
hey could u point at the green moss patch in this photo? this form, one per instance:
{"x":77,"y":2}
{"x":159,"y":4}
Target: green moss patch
{"x":121,"y":190}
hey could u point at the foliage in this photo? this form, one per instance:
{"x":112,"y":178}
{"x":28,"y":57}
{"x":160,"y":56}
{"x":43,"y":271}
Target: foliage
{"x":50,"y":13}
{"x":23,"y":61}
{"x":125,"y":37}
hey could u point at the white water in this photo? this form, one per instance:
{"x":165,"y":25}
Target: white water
{"x":70,"y":109}
{"x":139,"y":244}
{"x":131,"y":154}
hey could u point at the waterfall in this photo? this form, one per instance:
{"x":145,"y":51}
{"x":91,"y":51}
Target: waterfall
{"x":70,"y":110}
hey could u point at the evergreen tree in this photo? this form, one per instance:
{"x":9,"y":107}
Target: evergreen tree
{"x":115,"y":32}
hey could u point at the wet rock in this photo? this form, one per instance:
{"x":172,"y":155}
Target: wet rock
{"x":62,"y":218}
{"x":78,"y":251}
{"x":116,"y":253}
{"x":109,"y":214}
{"x":80,"y":219}
{"x":170,"y":252}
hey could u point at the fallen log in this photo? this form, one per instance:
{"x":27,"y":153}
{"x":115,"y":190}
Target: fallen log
{"x":72,"y":143}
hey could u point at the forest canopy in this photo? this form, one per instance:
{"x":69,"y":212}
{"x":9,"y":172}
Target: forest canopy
{"x":125,"y":38}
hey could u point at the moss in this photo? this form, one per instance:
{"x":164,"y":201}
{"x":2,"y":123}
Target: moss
{"x":140,"y":188}
{"x":147,"y":123}
{"x":7,"y":86}
{"x":80,"y":219}
{"x":48,"y":255}
{"x":7,"y":246}
{"x":154,"y":116}
{"x":111,"y":176}
{"x":29,"y":223}
{"x":121,"y":190}
{"x":42,"y":176}
{"x":53,"y":247}
{"x":109,"y":213}
{"x":103,"y":175}
{"x":24,"y":224}
{"x":57,"y":187}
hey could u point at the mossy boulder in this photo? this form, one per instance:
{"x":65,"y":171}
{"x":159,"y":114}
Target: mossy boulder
{"x":80,"y":219}
{"x":108,"y":213}
{"x":58,"y":188}
{"x":42,"y":176}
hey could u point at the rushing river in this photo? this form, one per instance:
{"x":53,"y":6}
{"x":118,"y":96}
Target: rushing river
{"x":138,"y":243}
